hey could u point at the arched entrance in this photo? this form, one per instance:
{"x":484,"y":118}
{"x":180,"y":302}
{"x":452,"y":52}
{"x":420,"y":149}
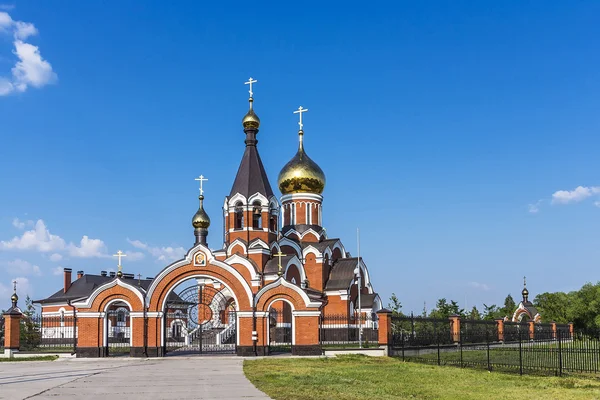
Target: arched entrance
{"x":117,"y":328}
{"x":200,"y":318}
{"x":281,"y":327}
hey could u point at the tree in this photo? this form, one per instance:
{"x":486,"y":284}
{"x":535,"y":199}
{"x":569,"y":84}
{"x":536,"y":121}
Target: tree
{"x":474,"y":314}
{"x":30,"y":328}
{"x":491,"y":312}
{"x":395,"y":306}
{"x":509,"y":306}
{"x":554,"y":306}
{"x":443,"y":309}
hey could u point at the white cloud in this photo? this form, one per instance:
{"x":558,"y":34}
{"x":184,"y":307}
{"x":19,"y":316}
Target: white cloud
{"x":7,"y":7}
{"x":17,"y":223}
{"x":135,"y":255}
{"x":580,"y":193}
{"x":22,"y":267}
{"x":30,"y":69}
{"x":480,"y":286}
{"x":88,"y":248}
{"x":57,"y":271}
{"x":597,"y":203}
{"x":534,"y":208}
{"x":160,"y":253}
{"x":56,"y":257}
{"x":24,"y":289}
{"x":39,"y":238}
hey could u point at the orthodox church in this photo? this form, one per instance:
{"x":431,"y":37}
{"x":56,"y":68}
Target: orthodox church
{"x":276,"y":277}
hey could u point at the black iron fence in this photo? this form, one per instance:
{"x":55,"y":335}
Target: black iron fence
{"x":343,"y":330}
{"x":1,"y":333}
{"x":518,"y":347}
{"x":41,"y":333}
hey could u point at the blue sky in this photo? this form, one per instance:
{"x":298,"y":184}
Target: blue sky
{"x":456,"y":135}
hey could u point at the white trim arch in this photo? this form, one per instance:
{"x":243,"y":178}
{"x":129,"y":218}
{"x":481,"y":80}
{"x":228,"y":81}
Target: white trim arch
{"x":282,"y":282}
{"x":237,"y":259}
{"x":87,"y":303}
{"x":264,"y":202}
{"x":258,"y":243}
{"x":295,"y":261}
{"x":210,"y":259}
{"x":235,"y":242}
{"x":287,"y":242}
{"x":235,"y":198}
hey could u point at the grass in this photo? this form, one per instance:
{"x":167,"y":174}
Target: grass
{"x":361,"y":377}
{"x":36,"y":358}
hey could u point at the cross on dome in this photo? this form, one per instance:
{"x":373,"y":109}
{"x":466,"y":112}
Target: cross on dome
{"x":15,"y":285}
{"x":250,"y":82}
{"x":300,"y":111}
{"x":279,"y":254}
{"x":120,"y":255}
{"x":202,"y":179}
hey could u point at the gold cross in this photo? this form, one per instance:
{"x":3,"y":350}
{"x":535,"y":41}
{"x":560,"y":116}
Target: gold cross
{"x":120,"y":254}
{"x":300,"y":111}
{"x":139,"y":279}
{"x":15,"y":285}
{"x":524,"y":281}
{"x":250,"y":82}
{"x":202,"y":179}
{"x":280,"y":254}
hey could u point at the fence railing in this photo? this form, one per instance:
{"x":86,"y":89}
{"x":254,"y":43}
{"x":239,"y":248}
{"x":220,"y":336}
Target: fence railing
{"x":516,"y":347}
{"x":343,"y":330}
{"x":48,"y":333}
{"x":1,"y":333}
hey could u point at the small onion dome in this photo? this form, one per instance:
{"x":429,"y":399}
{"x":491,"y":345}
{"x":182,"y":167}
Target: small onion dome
{"x":201,"y":219}
{"x":14,"y":298}
{"x":251,"y":120}
{"x":525,"y":292}
{"x":301,"y":174}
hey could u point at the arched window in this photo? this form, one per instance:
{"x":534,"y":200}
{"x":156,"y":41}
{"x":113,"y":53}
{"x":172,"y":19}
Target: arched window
{"x":239,"y":216}
{"x":256,"y":215}
{"x":293,"y":217}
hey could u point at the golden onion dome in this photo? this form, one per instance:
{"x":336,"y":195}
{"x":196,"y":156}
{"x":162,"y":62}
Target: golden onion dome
{"x":14,"y":298}
{"x":525,"y":292}
{"x":301,"y":174}
{"x":251,"y":120}
{"x":201,"y":219}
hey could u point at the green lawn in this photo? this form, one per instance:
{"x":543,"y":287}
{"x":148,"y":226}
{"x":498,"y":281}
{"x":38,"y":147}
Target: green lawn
{"x":361,"y":377}
{"x":35,"y":358}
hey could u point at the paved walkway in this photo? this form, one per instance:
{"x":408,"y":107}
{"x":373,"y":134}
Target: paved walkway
{"x":165,"y":378}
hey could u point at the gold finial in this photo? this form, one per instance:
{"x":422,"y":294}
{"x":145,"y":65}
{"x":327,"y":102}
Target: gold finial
{"x":14,"y":286}
{"x":120,"y":254}
{"x":280,"y":268}
{"x":524,"y":281}
{"x":14,"y":298}
{"x":139,"y":279}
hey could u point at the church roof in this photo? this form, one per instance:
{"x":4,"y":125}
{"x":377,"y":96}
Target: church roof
{"x":251,"y":177}
{"x":530,"y":308}
{"x":366,"y":300}
{"x":321,"y":246}
{"x":83,"y":287}
{"x":342,"y":273}
{"x":301,"y":228}
{"x":272,"y":265}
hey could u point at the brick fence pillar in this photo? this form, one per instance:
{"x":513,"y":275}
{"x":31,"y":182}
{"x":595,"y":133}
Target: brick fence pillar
{"x":455,"y":327}
{"x":12,"y":328}
{"x":571,"y":330}
{"x":531,"y":330}
{"x":500,"y":323}
{"x":384,"y":331}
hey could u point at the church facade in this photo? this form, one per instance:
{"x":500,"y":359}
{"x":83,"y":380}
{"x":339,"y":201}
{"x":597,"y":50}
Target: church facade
{"x":269,"y":286}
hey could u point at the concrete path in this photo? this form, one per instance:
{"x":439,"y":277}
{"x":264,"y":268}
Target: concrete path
{"x":166,"y":378}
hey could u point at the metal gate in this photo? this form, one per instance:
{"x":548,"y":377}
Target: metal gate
{"x":200,"y":319}
{"x":118,"y":329}
{"x":280,"y":329}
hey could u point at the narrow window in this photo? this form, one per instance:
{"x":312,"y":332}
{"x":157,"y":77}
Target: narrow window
{"x":239,"y":216}
{"x":293,"y":218}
